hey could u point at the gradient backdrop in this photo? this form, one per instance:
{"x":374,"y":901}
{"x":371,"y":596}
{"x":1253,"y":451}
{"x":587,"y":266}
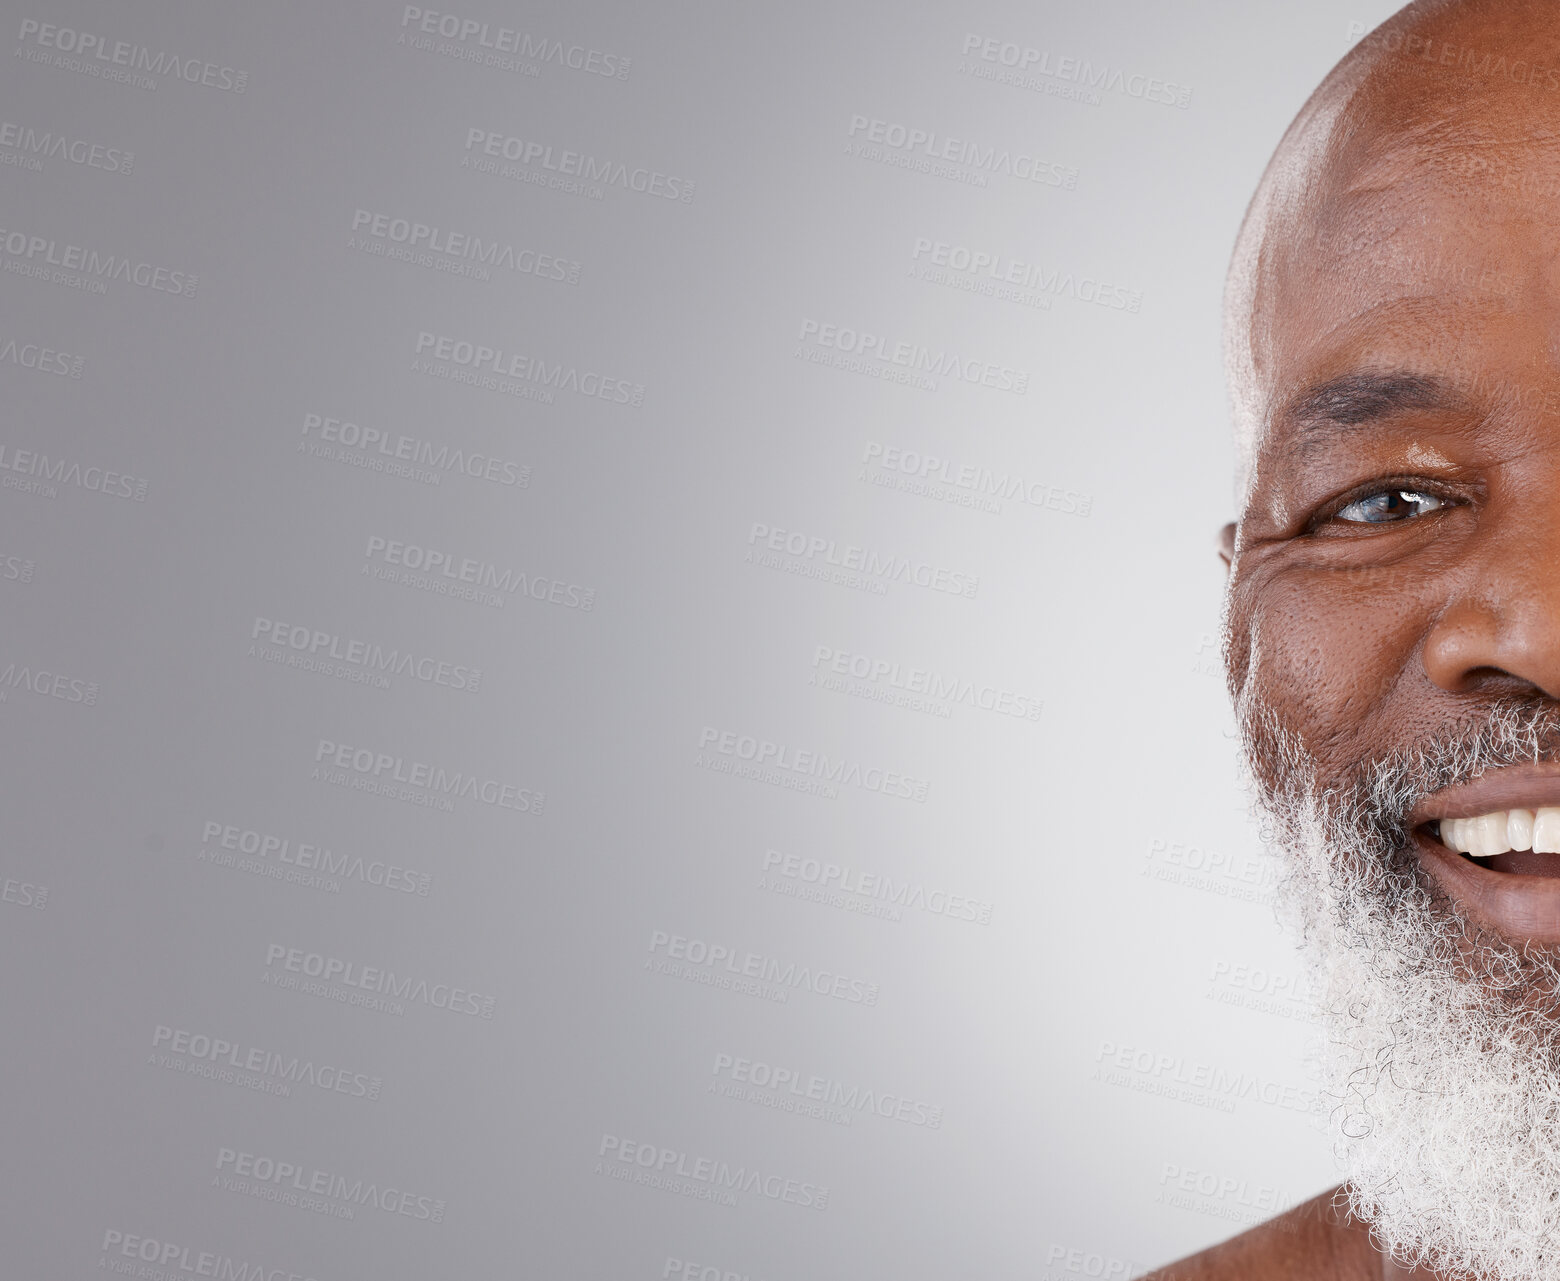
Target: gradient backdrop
{"x":608,"y":657}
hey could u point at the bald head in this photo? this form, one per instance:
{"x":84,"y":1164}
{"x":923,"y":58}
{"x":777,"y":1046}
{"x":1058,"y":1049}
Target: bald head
{"x":1374,"y":211}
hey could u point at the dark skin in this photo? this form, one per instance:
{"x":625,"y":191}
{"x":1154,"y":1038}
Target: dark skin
{"x":1396,"y":565}
{"x":1312,"y":1241}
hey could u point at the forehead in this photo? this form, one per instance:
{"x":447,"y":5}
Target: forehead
{"x":1421,"y":241}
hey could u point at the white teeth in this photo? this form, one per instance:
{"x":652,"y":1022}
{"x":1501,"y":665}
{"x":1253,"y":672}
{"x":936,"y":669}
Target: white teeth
{"x":1489,"y":834}
{"x":1503,"y":830}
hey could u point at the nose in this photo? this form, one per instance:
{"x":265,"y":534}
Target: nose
{"x":1499,"y":632}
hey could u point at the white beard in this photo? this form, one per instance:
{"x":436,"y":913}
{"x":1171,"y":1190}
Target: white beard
{"x":1441,"y":1049}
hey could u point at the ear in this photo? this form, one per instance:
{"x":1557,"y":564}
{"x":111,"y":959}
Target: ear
{"x":1227,"y":545}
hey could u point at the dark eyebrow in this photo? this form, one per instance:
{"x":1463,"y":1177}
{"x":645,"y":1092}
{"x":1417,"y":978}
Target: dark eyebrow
{"x":1352,"y":399}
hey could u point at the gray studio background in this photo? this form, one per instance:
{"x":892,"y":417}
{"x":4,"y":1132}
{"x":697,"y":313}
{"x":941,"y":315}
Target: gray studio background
{"x":531,"y":747}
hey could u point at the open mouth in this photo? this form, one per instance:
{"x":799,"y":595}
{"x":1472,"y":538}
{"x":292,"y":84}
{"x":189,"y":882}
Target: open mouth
{"x":1521,"y":841}
{"x":1492,"y":844}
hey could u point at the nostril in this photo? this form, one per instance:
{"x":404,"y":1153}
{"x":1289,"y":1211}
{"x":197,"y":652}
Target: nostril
{"x":1497,"y":682}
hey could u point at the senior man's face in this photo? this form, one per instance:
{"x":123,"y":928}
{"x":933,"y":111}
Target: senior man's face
{"x":1397,"y":574}
{"x":1393,"y":647}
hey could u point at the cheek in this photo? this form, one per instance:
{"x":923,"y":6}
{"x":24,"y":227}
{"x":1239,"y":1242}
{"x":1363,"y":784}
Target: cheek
{"x":1332,"y":653}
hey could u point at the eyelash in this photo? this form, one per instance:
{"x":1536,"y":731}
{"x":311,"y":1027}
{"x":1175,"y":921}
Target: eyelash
{"x":1327,"y":516}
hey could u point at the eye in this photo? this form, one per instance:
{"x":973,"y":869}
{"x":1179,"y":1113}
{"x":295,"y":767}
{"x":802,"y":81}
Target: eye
{"x":1386,"y":506}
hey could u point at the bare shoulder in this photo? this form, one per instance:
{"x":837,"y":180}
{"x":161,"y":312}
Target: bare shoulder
{"x":1316,"y":1241}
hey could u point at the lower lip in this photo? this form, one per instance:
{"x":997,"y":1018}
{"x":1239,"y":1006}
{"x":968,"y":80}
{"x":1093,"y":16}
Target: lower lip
{"x":1519,"y":903}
